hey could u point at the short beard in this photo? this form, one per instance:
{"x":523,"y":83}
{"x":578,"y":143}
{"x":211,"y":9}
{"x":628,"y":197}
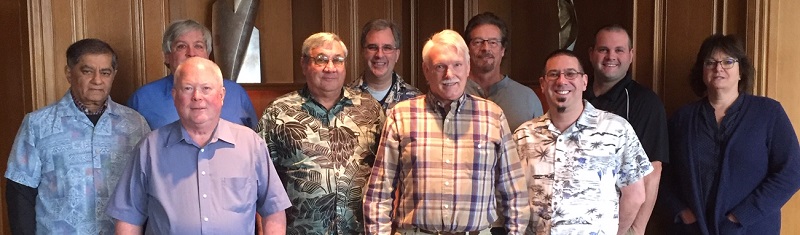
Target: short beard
{"x":561,"y":109}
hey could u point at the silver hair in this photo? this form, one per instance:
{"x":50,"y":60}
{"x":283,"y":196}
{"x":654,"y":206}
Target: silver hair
{"x":180,"y":27}
{"x":321,"y":39}
{"x":445,"y":38}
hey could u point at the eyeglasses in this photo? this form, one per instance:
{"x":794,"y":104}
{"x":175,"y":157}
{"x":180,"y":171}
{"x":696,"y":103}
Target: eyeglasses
{"x":569,"y":74}
{"x":387,"y":49}
{"x":476,"y":42}
{"x":323,"y":60}
{"x":726,"y":64}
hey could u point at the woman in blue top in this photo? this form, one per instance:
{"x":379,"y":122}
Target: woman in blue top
{"x":735,"y":157}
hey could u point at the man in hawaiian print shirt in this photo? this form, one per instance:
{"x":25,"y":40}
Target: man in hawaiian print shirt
{"x":380,"y":44}
{"x":68,"y":156}
{"x":578,"y":159}
{"x":323,"y":140}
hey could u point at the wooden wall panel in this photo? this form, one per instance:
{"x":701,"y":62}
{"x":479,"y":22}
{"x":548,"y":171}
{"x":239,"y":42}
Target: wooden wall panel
{"x":274,"y":20}
{"x":687,"y":24}
{"x":306,"y":20}
{"x":532,"y":38}
{"x":152,"y":21}
{"x":14,"y":90}
{"x":647,"y":39}
{"x":782,"y":81}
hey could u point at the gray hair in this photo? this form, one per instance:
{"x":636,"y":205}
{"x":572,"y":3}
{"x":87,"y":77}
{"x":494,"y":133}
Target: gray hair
{"x":180,"y":27}
{"x":446,"y":38}
{"x":380,"y":24}
{"x":321,"y":39}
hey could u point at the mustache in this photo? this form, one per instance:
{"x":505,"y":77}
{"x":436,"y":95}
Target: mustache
{"x":485,"y":55}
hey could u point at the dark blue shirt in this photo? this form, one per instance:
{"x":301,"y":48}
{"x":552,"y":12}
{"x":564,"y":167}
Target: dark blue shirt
{"x":711,"y":142}
{"x":154,"y":101}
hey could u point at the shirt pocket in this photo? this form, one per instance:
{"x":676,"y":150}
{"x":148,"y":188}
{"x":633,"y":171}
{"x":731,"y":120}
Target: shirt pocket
{"x":237,"y":194}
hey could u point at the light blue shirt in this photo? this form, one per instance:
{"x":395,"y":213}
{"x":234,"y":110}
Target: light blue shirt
{"x":154,"y":101}
{"x":180,"y":188}
{"x":73,"y":163}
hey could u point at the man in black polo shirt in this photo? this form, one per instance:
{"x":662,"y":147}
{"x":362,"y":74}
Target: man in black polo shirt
{"x":613,"y":90}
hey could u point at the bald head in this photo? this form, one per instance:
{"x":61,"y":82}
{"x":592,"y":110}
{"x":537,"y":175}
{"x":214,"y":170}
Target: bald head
{"x":198,"y":93}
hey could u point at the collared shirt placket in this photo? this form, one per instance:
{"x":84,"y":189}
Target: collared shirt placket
{"x":204,"y":188}
{"x":559,"y":162}
{"x":448,"y":151}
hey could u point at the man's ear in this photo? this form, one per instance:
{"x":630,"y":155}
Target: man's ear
{"x":541,"y":83}
{"x":67,"y":74}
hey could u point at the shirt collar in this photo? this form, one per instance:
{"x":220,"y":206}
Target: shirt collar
{"x":615,"y":92}
{"x":587,"y":119}
{"x":437,"y":104}
{"x":494,"y":88}
{"x":81,"y":107}
{"x":735,"y":106}
{"x":178,"y":133}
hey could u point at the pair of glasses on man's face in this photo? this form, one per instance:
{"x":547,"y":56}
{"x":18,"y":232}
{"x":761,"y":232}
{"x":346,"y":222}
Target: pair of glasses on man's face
{"x":569,"y":75}
{"x":387,"y":49}
{"x":726,"y":63}
{"x":476,"y":42}
{"x":323,"y":60}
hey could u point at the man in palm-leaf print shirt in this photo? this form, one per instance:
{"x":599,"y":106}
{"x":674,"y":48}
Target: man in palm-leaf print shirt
{"x":584,"y":166}
{"x":323,"y":140}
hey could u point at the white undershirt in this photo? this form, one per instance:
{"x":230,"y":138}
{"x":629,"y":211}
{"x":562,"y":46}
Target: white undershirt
{"x":379,"y":94}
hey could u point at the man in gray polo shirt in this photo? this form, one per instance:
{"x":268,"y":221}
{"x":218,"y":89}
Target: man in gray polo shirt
{"x":487,"y":37}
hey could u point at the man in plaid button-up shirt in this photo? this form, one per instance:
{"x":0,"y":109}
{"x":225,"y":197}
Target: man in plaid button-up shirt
{"x":448,"y":158}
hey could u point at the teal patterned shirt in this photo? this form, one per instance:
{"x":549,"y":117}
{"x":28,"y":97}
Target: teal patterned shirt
{"x":324,"y":158}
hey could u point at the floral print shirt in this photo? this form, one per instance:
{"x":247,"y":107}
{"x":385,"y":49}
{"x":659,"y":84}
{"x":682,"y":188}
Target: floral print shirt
{"x":399,"y":91}
{"x":573,"y":176}
{"x":323,"y":157}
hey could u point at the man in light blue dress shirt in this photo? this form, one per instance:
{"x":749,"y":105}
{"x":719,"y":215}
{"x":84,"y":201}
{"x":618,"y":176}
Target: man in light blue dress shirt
{"x":200,"y":174}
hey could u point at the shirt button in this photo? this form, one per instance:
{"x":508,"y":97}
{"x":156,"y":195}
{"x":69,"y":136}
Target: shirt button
{"x":205,"y":196}
{"x":205,"y":219}
{"x":446,"y":206}
{"x":203,"y":172}
{"x":446,"y":183}
{"x":202,"y":150}
{"x":447,"y":161}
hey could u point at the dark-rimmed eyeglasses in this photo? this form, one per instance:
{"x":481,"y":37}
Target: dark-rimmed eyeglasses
{"x":493,"y":42}
{"x":387,"y":49}
{"x":726,"y":63}
{"x":569,"y":75}
{"x":323,"y":60}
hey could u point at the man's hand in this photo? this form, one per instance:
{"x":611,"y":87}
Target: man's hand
{"x":732,"y":218}
{"x":688,"y":217}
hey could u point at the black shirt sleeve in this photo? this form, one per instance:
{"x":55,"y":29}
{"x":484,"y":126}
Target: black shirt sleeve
{"x":650,"y":123}
{"x":21,"y":202}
